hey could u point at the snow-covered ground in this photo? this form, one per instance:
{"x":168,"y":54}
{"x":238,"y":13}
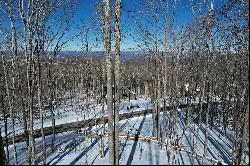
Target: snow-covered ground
{"x":67,"y":114}
{"x":75,"y":149}
{"x":62,"y":115}
{"x":135,"y":105}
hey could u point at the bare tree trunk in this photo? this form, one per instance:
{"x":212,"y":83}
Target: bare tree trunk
{"x":30,"y":79}
{"x":40,"y":109}
{"x":21,"y":10}
{"x":165,"y":78}
{"x":207,"y":120}
{"x":246,"y":126}
{"x":176,"y":87}
{"x":5,"y":129}
{"x":52,"y":117}
{"x":163,"y":142}
{"x":24,"y":114}
{"x":245,"y":132}
{"x":154,"y":114}
{"x":158,"y":99}
{"x":146,"y":89}
{"x":10,"y":103}
{"x":117,"y":76}
{"x":103,"y":127}
{"x":51,"y":99}
{"x":14,"y":54}
{"x":107,"y":40}
{"x":2,"y":153}
{"x":176,"y":98}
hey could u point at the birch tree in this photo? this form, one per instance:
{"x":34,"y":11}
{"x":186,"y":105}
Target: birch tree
{"x":164,"y":69}
{"x":117,"y":76}
{"x":10,"y":8}
{"x":107,"y":41}
{"x":2,"y":153}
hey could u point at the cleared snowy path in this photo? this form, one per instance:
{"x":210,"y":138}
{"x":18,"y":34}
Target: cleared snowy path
{"x":84,"y":123}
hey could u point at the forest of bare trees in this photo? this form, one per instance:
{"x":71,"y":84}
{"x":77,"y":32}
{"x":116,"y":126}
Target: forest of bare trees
{"x":196,"y":74}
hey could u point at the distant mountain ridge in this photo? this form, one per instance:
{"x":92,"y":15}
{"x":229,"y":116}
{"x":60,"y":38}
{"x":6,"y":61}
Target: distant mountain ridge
{"x":125,"y":55}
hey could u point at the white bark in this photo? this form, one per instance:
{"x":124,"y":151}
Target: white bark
{"x":107,"y":40}
{"x":117,"y":76}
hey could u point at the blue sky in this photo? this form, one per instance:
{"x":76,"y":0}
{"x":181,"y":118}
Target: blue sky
{"x":86,"y":11}
{"x":133,"y":11}
{"x":129,"y":28}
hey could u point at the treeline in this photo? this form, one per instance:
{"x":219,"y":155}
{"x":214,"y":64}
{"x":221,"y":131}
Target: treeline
{"x":210,"y":53}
